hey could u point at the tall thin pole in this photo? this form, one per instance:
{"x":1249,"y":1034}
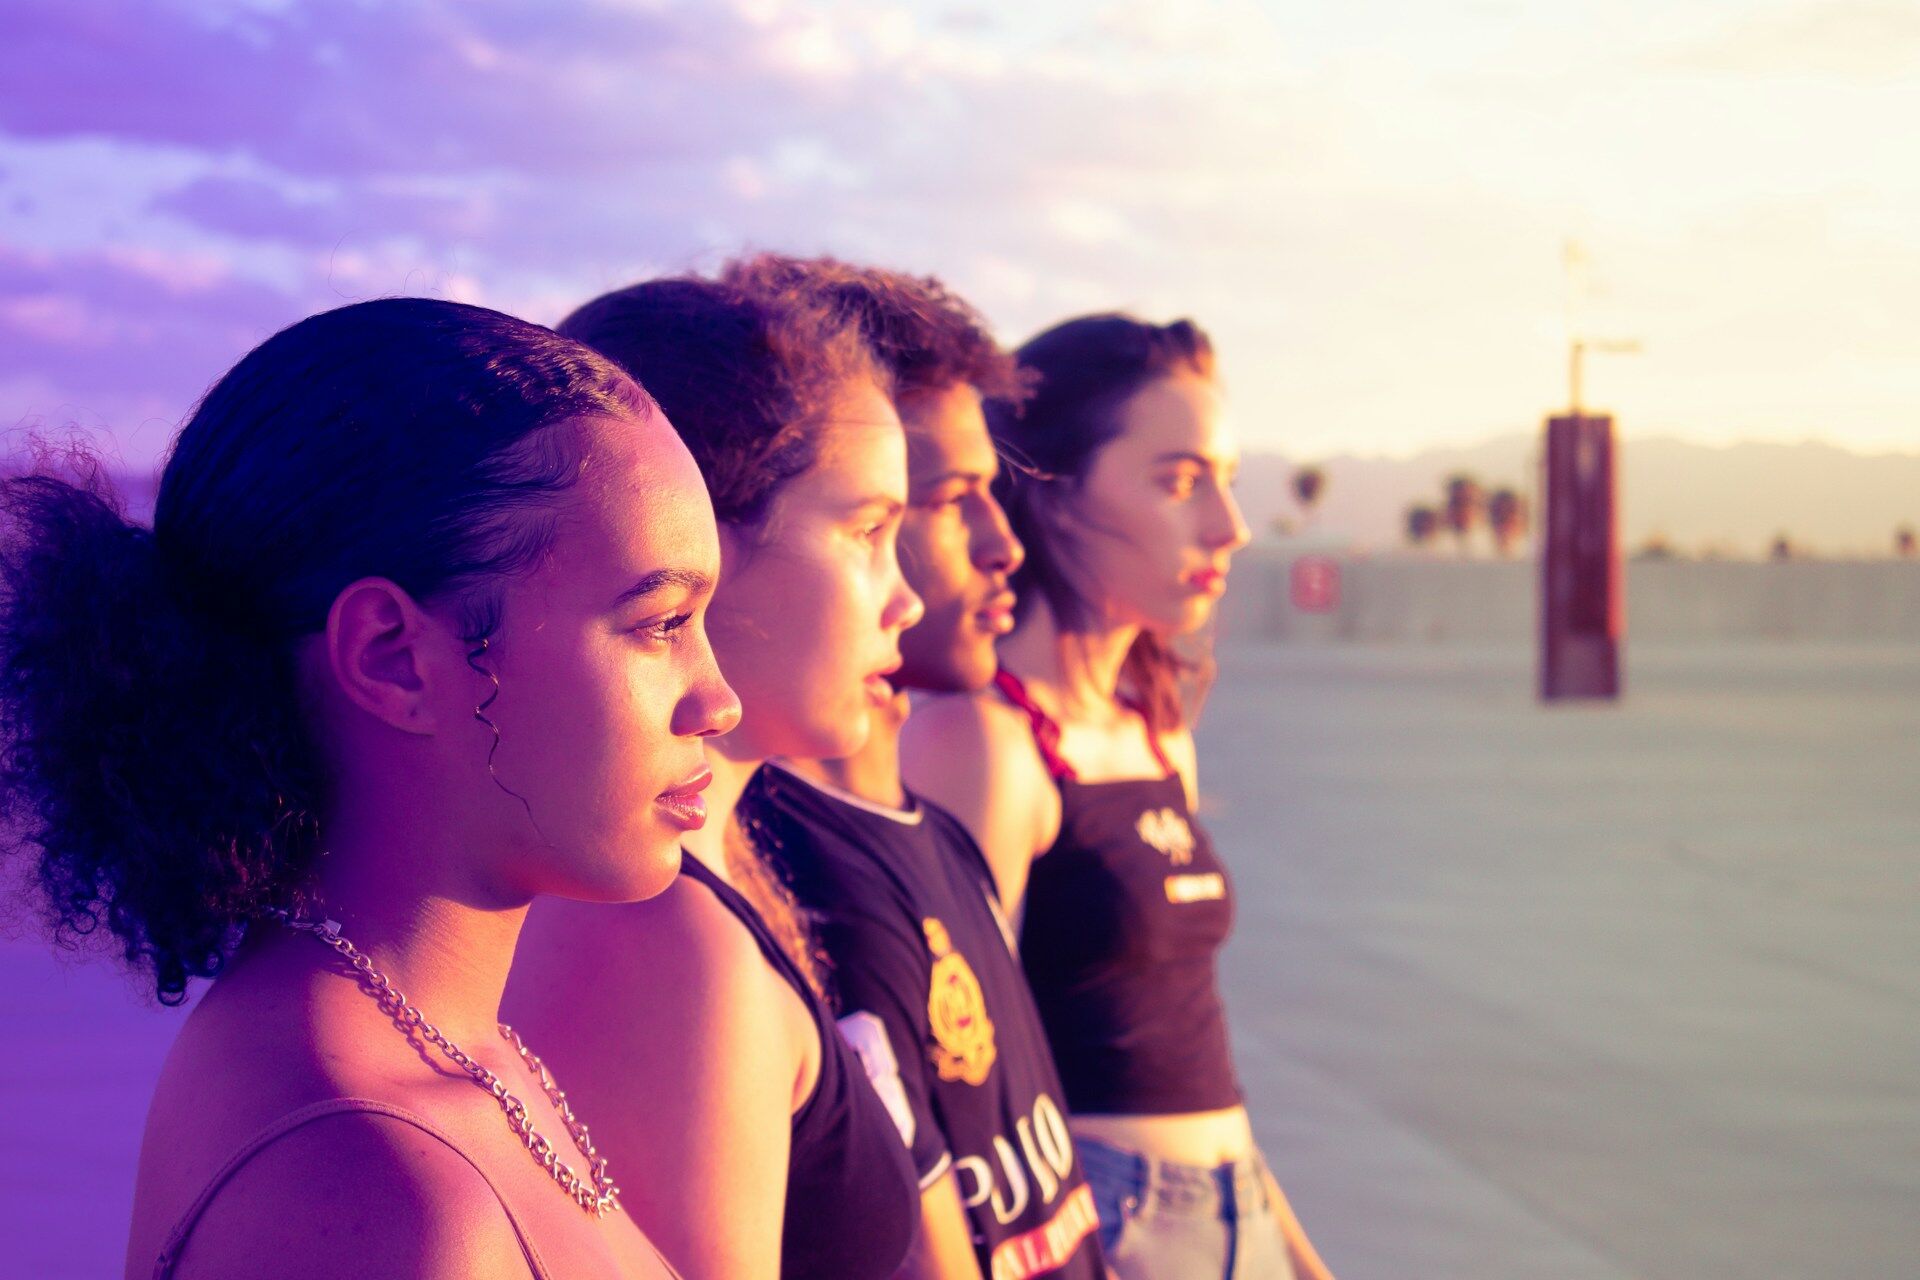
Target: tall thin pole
{"x":1573,"y":262}
{"x":1573,"y":258}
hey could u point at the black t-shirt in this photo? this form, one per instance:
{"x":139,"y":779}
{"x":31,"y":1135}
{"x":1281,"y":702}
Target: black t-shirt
{"x":930,"y":996}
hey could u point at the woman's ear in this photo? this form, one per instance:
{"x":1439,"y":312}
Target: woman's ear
{"x":381,"y":651}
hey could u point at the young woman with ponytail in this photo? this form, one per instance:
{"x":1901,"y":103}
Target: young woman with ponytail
{"x":415,"y":636}
{"x":1075,"y":772}
{"x":692,"y":1027}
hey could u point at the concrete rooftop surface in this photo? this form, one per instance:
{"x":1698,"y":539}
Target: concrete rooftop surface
{"x":1586,"y":992}
{"x":1582,"y":993}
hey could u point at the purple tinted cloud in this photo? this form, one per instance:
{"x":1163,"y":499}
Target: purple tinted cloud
{"x":562,"y":136}
{"x":422,"y":86}
{"x":118,"y":326}
{"x":528,"y":158}
{"x":255,"y":208}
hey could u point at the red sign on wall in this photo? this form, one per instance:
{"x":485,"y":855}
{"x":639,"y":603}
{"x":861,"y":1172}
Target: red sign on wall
{"x":1316,"y":584}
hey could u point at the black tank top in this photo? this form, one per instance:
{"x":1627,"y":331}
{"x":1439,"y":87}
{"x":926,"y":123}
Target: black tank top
{"x":853,"y":1204}
{"x":1126,"y":913}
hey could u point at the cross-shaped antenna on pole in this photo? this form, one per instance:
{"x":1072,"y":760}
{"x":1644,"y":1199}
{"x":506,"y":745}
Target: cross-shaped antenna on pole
{"x":1574,"y":258}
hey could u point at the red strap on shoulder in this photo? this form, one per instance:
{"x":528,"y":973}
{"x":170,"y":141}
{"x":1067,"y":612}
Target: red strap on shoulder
{"x":1046,"y":734}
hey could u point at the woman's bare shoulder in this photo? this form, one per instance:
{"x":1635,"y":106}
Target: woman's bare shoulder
{"x":685,"y":932}
{"x":257,"y":1046}
{"x":971,"y":734}
{"x":400,"y":1200}
{"x":975,"y":756}
{"x":257,"y":1049}
{"x":983,"y":709}
{"x":602,"y":991}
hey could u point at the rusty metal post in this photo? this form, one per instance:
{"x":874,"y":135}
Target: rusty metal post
{"x":1582,"y":590}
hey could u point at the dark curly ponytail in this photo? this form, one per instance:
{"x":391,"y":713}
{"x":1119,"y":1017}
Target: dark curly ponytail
{"x":153,"y":759}
{"x":164,"y":806}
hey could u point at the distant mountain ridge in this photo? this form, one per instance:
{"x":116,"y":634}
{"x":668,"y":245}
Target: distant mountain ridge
{"x":1701,"y":499}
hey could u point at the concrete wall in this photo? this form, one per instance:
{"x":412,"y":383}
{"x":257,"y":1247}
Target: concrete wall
{"x":1407,"y":600}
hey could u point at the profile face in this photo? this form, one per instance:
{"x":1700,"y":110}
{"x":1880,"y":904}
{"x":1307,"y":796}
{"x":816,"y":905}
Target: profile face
{"x":808,"y":618}
{"x":608,"y":687}
{"x":956,"y":548}
{"x":1152,"y":525}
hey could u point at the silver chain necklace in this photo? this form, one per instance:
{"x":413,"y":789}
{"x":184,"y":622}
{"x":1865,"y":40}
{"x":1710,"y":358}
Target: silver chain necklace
{"x":598,"y":1196}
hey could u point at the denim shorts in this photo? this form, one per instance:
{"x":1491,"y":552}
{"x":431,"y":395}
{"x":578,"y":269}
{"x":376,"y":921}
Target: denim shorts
{"x":1165,"y":1221}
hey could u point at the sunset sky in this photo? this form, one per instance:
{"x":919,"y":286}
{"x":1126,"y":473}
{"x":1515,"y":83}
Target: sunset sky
{"x":1365,"y":200}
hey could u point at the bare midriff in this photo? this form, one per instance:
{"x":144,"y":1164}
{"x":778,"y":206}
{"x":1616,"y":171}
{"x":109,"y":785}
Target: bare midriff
{"x":1203,"y":1138}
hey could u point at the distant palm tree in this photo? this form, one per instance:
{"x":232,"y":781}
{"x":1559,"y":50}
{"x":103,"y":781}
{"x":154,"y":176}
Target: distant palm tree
{"x":1656,"y":547}
{"x":1506,"y":518}
{"x":1903,"y":542}
{"x":1309,"y":485}
{"x":1466,"y":503}
{"x":1423,"y":523}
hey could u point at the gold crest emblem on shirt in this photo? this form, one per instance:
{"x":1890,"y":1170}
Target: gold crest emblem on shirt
{"x":1167,"y":831}
{"x":957,"y":1012}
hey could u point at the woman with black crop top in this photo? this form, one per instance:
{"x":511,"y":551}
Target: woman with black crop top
{"x":1076,"y":775}
{"x":691,"y":1027}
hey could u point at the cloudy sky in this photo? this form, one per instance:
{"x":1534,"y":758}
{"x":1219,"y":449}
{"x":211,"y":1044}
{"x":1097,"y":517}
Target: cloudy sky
{"x":1367,"y":201}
